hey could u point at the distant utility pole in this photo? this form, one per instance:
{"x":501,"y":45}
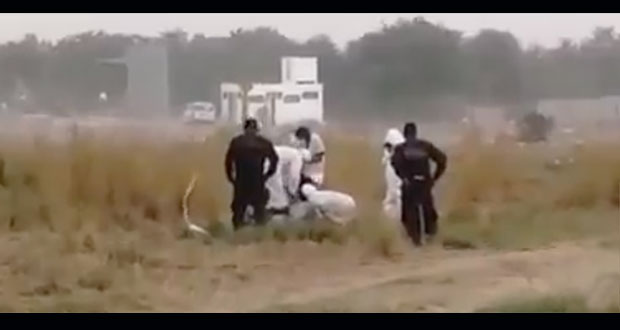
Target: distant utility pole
{"x":245,"y":89}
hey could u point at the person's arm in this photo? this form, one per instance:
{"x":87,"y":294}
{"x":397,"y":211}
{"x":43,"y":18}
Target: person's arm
{"x":440,"y":159}
{"x":398,"y":162}
{"x":317,"y":158}
{"x":229,"y":160}
{"x":272,"y":156}
{"x":317,"y":148}
{"x":295,"y":168}
{"x":387,"y":154}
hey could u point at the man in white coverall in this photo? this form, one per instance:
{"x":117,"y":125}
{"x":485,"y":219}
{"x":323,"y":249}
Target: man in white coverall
{"x":284,"y":184}
{"x":391,"y":202}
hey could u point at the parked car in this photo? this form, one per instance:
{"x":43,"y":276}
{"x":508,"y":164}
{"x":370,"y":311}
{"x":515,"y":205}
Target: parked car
{"x":201,"y":112}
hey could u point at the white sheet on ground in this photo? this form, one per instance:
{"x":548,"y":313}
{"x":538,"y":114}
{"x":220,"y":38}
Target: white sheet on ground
{"x":335,"y":206}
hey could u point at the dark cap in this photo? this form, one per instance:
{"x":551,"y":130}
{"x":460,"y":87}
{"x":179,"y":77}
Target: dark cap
{"x":250,"y":123}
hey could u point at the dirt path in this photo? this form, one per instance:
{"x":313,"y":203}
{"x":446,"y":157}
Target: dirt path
{"x":434,"y":280}
{"x":283,"y":277}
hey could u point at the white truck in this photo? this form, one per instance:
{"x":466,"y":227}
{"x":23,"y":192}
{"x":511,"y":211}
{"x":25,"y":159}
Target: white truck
{"x":298,"y":97}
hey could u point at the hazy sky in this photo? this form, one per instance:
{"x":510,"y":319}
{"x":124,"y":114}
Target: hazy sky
{"x":543,"y":29}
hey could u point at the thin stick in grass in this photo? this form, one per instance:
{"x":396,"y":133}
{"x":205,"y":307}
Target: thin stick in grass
{"x":188,"y":191}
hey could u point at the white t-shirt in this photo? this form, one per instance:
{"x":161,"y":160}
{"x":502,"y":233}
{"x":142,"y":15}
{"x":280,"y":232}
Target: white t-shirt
{"x":315,"y":171}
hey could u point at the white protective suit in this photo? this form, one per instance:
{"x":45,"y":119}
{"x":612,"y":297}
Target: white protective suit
{"x":285,"y":181}
{"x":335,"y":206}
{"x":391,"y":202}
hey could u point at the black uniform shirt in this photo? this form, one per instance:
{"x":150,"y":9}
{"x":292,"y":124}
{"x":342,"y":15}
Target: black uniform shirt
{"x":247,"y":153}
{"x":411,"y":160}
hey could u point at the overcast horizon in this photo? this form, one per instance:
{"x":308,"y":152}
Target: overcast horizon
{"x":540,"y":29}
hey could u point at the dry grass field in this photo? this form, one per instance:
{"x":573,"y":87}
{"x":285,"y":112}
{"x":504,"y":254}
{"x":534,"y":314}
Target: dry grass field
{"x":95,"y":225}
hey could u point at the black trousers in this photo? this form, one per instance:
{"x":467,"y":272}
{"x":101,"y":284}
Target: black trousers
{"x":255,"y":195}
{"x":416,"y":200}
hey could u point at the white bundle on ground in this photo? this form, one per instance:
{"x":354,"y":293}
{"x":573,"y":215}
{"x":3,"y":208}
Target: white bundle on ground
{"x":335,"y":206}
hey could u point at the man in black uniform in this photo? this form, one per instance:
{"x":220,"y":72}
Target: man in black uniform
{"x":244,"y":164}
{"x":411,"y":163}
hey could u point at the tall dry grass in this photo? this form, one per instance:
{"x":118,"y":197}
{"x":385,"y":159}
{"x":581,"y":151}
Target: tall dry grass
{"x":511,"y":195}
{"x":115,"y":181}
{"x":107,"y":181}
{"x":95,"y":224}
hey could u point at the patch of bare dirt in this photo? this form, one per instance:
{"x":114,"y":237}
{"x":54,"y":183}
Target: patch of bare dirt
{"x":426,"y":281}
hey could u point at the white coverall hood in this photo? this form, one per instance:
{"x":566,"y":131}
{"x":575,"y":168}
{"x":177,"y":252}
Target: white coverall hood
{"x":393,"y":137}
{"x":391,"y":202}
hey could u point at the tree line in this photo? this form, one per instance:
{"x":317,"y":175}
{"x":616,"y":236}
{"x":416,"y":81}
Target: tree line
{"x":392,"y":71}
